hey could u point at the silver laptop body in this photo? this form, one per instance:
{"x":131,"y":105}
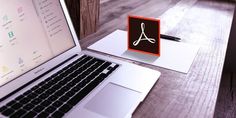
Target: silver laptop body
{"x":36,"y":36}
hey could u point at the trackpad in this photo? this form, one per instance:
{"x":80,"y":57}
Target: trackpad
{"x":113,"y":101}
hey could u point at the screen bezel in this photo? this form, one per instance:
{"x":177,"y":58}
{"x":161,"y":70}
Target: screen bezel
{"x":48,"y":65}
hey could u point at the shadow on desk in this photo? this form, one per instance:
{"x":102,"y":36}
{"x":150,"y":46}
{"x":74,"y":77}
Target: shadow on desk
{"x":226,"y":101}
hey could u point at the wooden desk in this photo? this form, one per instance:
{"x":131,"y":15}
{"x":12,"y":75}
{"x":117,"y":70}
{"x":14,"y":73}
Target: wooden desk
{"x":204,"y":23}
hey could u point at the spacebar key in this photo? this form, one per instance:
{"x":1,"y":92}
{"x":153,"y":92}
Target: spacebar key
{"x":79,"y":96}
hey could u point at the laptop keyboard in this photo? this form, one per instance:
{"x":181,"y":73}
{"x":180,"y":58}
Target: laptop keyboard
{"x":56,"y":95}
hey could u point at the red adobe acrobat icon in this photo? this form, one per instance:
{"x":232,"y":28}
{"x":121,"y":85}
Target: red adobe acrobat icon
{"x":144,"y":35}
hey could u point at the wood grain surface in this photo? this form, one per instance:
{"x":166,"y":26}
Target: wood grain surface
{"x":84,"y":15}
{"x":203,"y":22}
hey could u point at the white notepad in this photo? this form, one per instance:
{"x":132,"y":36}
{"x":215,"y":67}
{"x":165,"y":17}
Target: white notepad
{"x":175,"y":56}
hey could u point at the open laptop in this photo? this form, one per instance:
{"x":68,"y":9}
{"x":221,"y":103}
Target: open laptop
{"x":44,"y":72}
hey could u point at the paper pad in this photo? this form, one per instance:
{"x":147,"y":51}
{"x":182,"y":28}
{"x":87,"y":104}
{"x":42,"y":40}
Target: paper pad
{"x":176,"y":56}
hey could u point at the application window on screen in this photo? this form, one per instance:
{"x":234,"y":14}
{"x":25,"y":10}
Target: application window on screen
{"x":31,"y":33}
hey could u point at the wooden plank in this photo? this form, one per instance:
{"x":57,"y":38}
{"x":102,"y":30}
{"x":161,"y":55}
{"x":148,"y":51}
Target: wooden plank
{"x":89,"y":11}
{"x":85,"y":15}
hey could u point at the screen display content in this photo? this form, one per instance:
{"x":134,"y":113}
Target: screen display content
{"x":31,"y":33}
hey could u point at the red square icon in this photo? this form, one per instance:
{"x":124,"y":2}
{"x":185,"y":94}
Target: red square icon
{"x":144,"y":35}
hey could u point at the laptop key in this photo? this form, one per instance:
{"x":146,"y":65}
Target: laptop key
{"x":70,"y":93}
{"x":46,"y":103}
{"x":54,"y":82}
{"x":87,"y":72}
{"x":33,"y":89}
{"x":43,"y":82}
{"x":39,"y":91}
{"x":32,"y":95}
{"x":18,"y":113}
{"x":45,"y":86}
{"x":63,"y":82}
{"x":43,"y":115}
{"x":24,"y":100}
{"x":75,"y":99}
{"x":75,"y":89}
{"x":16,"y":106}
{"x":8,"y":112}
{"x":64,"y":98}
{"x":80,"y":77}
{"x":57,"y":104}
{"x":104,"y":66}
{"x":58,"y":93}
{"x":49,"y":91}
{"x":116,"y":66}
{"x":74,"y":74}
{"x":64,"y":89}
{"x":19,"y":97}
{"x":3,"y":108}
{"x":58,"y":114}
{"x":27,"y":92}
{"x":52,"y":98}
{"x":30,"y":114}
{"x":71,"y":84}
{"x":81,"y":84}
{"x":61,"y":75}
{"x":29,"y":106}
{"x":36,"y":101}
{"x":11,"y":103}
{"x":39,"y":108}
{"x":56,"y":79}
{"x":50,"y":109}
{"x":56,"y":87}
{"x":76,"y":80}
{"x":101,"y":77}
{"x":43,"y":96}
{"x":65,"y":108}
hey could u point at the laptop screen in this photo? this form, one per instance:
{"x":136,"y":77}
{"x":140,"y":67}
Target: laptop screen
{"x":31,"y":33}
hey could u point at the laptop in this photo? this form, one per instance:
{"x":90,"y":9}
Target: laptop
{"x":45,"y":73}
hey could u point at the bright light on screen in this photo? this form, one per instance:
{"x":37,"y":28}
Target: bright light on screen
{"x":31,"y":33}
